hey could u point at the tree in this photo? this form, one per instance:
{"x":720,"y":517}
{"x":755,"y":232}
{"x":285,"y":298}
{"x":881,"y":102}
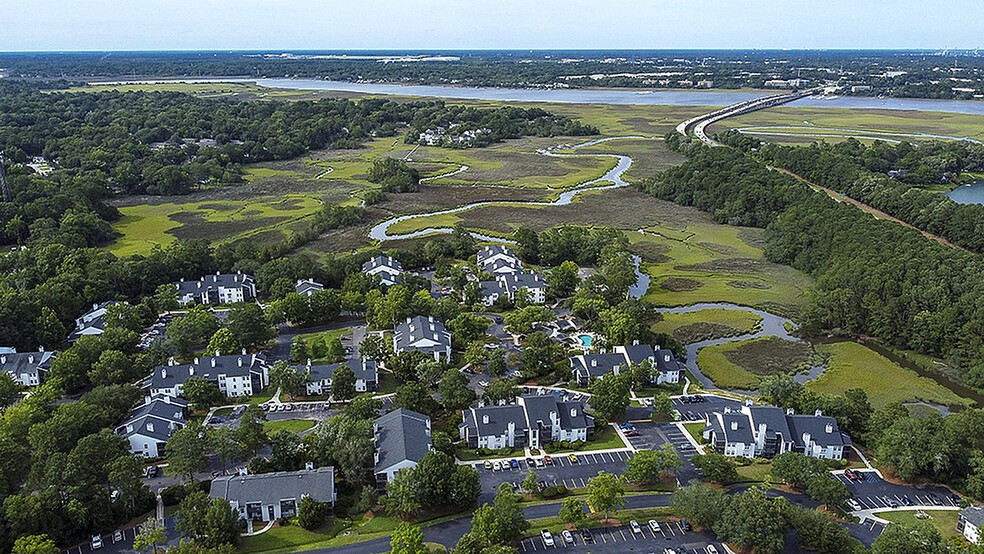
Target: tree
{"x":326,"y":305}
{"x":311,"y":514}
{"x":537,"y":357}
{"x":753,"y":522}
{"x":150,"y":534}
{"x":496,"y":364}
{"x":820,"y":532}
{"x":299,"y":350}
{"x":454,"y":391}
{"x":828,"y":491}
{"x":191,"y":330}
{"x":247,"y":322}
{"x":345,"y":441}
{"x":49,"y":329}
{"x":9,"y":390}
{"x":250,"y":432}
{"x":468,"y":328}
{"x":662,"y":407}
{"x":186,"y":451}
{"x":284,"y":377}
{"x":413,"y":396}
{"x":375,"y":348}
{"x":402,"y":494}
{"x":529,"y":483}
{"x":296,"y":308}
{"x":781,"y":390}
{"x":34,"y":544}
{"x":501,"y":523}
{"x":606,"y":492}
{"x":716,"y":467}
{"x":610,"y":396}
{"x":222,"y":342}
{"x":408,"y":539}
{"x":563,"y":280}
{"x":700,"y":503}
{"x":335,"y":351}
{"x":523,"y":320}
{"x":796,"y":469}
{"x":224,"y":442}
{"x":221,"y":524}
{"x":343,"y":383}
{"x":572,"y":511}
{"x":618,"y":272}
{"x":500,"y":390}
{"x":201,"y":392}
{"x":475,"y":353}
{"x":191,"y":514}
{"x":649,"y":466}
{"x":903,"y":537}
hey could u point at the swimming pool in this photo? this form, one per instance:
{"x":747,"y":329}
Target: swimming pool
{"x":585,"y":339}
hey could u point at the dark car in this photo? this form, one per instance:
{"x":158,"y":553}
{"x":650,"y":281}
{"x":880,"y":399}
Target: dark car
{"x":152,"y":471}
{"x":955,"y":498}
{"x":936,"y":500}
{"x":586,"y":536}
{"x":906,"y":501}
{"x":685,"y":525}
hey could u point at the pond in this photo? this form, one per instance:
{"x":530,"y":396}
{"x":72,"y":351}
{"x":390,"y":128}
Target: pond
{"x":972,"y":193}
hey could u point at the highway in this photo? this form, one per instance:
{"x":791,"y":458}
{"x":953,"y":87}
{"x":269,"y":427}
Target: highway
{"x":701,"y":122}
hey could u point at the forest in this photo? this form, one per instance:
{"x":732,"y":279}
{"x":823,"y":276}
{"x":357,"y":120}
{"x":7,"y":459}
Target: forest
{"x":888,"y":73}
{"x":874,"y":277}
{"x":106,"y":144}
{"x":896,"y":179}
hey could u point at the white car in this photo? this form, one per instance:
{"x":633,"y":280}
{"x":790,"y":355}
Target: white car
{"x":547,"y":537}
{"x":539,"y":462}
{"x":853,"y":504}
{"x":568,"y":537}
{"x":483,"y":383}
{"x":635,"y":527}
{"x":497,"y":466}
{"x":97,"y":542}
{"x":711,"y":549}
{"x":654,"y":525}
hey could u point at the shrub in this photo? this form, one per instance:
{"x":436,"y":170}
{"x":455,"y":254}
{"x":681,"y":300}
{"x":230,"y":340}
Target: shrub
{"x":554,"y":491}
{"x":311,"y":513}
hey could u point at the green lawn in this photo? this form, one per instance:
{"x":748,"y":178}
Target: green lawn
{"x":604,"y":439}
{"x":853,"y":365}
{"x":323,"y":337}
{"x":470,"y":454}
{"x":292,"y":425}
{"x":755,"y":472}
{"x":290,"y":537}
{"x":945,"y":521}
{"x":695,"y":430}
{"x":743,"y":364}
{"x":707,"y":324}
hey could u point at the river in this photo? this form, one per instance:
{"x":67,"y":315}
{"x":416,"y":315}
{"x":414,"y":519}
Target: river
{"x":622,"y":96}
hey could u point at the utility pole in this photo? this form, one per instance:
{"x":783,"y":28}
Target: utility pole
{"x":4,"y":187}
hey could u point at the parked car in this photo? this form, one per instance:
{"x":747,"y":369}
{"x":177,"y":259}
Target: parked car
{"x":586,"y":536}
{"x":547,"y":537}
{"x":497,"y":466}
{"x":539,"y":462}
{"x":892,"y":503}
{"x":541,"y":485}
{"x":851,"y":474}
{"x":488,"y":464}
{"x":97,"y":542}
{"x":548,"y":460}
{"x":654,"y":525}
{"x":853,"y":504}
{"x":117,"y":536}
{"x":632,"y":433}
{"x":568,"y":537}
{"x":530,"y":462}
{"x":647,"y":402}
{"x":572,"y":458}
{"x":936,"y":499}
{"x":152,"y":471}
{"x":711,"y":549}
{"x":906,"y":501}
{"x":514,"y":464}
{"x":685,"y":525}
{"x":634,"y":525}
{"x":955,"y":498}
{"x":669,"y":551}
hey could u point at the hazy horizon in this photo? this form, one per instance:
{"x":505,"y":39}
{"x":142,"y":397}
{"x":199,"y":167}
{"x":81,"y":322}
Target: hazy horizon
{"x":254,"y":25}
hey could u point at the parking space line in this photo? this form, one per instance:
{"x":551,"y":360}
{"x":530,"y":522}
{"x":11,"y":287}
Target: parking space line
{"x":603,"y":537}
{"x":873,"y":523}
{"x":622,"y":533}
{"x":583,"y":484}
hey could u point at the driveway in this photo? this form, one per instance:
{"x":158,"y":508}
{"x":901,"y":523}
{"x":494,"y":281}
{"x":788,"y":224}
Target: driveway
{"x":281,"y":349}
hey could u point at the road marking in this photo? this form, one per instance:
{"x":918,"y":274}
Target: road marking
{"x":873,"y":523}
{"x":590,"y":507}
{"x":523,"y":544}
{"x":622,"y":532}
{"x":603,"y":537}
{"x":583,"y":484}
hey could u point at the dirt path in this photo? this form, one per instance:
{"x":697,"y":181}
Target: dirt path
{"x":873,"y":211}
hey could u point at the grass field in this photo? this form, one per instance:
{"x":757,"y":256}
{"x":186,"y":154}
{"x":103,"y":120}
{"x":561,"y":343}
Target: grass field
{"x":707,"y":324}
{"x":945,"y":521}
{"x":312,"y":338}
{"x":853,"y":365}
{"x":695,"y":430}
{"x":147,"y":225}
{"x":292,"y":425}
{"x":823,"y":122}
{"x":743,"y":364}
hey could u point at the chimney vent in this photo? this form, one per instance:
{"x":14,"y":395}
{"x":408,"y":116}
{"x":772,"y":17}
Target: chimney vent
{"x":818,"y":413}
{"x":734,"y":425}
{"x":485,"y":418}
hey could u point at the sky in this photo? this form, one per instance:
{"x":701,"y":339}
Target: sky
{"x":58,"y":25}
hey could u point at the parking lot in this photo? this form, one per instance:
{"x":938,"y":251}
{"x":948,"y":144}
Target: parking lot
{"x":562,"y":472}
{"x":874,"y":493}
{"x":691,"y":410}
{"x":622,"y":539}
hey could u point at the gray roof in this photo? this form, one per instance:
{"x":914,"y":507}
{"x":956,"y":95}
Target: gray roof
{"x":666,"y":361}
{"x":816,"y":426}
{"x":382,"y":261}
{"x":492,"y":287}
{"x":223,"y":280}
{"x":166,"y":377}
{"x":418,"y":328}
{"x":538,"y":408}
{"x":516,"y":281}
{"x":305,"y":286}
{"x":498,"y":422}
{"x":401,"y":435}
{"x":157,"y":419}
{"x":721,"y":423}
{"x":365,"y":370}
{"x":598,"y":365}
{"x":26,"y":363}
{"x":579,"y":419}
{"x":269,"y":488}
{"x":774,"y":419}
{"x":493,"y":250}
{"x":974,"y":515}
{"x":513,"y":264}
{"x":638,"y":353}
